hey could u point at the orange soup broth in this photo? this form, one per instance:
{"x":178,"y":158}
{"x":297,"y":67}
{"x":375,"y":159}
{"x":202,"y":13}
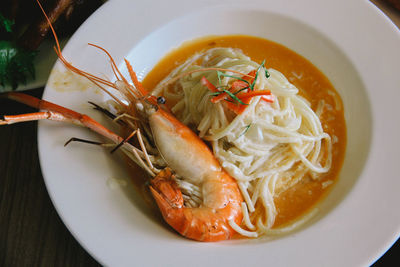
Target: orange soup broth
{"x":312,"y":84}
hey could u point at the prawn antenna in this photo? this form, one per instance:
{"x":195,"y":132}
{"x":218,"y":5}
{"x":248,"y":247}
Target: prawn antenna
{"x":94,"y":79}
{"x":75,"y":139}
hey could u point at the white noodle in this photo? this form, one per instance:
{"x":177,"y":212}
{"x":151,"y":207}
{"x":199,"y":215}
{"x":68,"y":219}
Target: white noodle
{"x":267,"y":148}
{"x":241,"y":231}
{"x":246,"y":217}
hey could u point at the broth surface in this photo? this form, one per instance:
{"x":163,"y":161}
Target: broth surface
{"x":312,"y":84}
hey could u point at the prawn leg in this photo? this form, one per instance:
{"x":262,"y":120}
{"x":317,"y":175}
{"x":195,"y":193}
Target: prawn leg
{"x":54,"y":112}
{"x":48,"y":115}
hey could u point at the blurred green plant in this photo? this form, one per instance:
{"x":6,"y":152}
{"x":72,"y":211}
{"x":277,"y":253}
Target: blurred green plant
{"x":16,"y":63}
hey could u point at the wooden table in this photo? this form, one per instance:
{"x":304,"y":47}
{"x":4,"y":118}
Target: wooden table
{"x":31,"y":232}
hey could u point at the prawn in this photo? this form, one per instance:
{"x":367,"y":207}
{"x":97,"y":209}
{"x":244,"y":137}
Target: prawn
{"x":168,"y":150}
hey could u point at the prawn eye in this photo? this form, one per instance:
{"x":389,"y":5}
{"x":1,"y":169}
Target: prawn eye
{"x":161,"y":100}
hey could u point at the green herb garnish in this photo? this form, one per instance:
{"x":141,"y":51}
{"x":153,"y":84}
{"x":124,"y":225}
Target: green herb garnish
{"x":245,"y":130}
{"x":220,"y":73}
{"x":262,"y":65}
{"x":267,"y":73}
{"x":245,"y":88}
{"x":234,"y":97}
{"x":258,"y":70}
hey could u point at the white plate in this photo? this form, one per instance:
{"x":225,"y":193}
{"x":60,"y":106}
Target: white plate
{"x":352,"y":42}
